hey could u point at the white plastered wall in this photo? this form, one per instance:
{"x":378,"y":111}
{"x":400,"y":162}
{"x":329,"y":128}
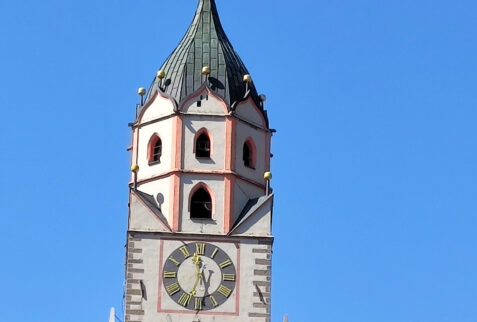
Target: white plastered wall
{"x":217,"y":134}
{"x":243,"y":131}
{"x":164,"y":130}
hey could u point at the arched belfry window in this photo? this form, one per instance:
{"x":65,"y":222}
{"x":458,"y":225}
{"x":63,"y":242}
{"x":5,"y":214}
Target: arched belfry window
{"x":155,"y":149}
{"x":248,"y":154}
{"x":201,"y":205}
{"x":202,"y":146}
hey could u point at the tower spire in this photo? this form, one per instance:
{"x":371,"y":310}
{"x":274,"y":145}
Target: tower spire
{"x":205,"y":44}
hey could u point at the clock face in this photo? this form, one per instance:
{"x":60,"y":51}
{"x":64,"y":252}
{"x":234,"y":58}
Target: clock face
{"x":199,"y":276}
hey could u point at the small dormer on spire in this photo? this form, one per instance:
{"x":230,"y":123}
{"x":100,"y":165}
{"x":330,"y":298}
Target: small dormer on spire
{"x":205,"y":45}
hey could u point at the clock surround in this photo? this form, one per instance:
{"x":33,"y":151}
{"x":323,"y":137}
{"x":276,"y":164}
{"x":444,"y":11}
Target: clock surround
{"x":177,"y":303}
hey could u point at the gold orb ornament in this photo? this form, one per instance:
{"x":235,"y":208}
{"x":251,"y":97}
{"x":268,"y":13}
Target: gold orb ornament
{"x":134,"y":168}
{"x":205,"y":70}
{"x":141,"y":91}
{"x":247,"y":78}
{"x":267,"y":176}
{"x":161,"y":74}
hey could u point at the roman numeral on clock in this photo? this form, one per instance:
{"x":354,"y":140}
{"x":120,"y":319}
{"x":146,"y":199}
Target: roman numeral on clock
{"x":228,"y":262}
{"x":214,"y":253}
{"x":175,"y":261}
{"x":170,"y":274}
{"x":214,"y":301}
{"x":225,"y":291}
{"x":198,"y":303}
{"x":185,"y":251}
{"x":184,"y":299}
{"x":173,"y":288}
{"x":200,"y":248}
{"x":229,"y":277}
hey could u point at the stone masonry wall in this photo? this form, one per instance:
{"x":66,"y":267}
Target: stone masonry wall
{"x":134,"y":280}
{"x":142,"y":273}
{"x":262,"y":281}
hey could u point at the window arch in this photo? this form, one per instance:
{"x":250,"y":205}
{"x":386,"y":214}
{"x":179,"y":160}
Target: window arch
{"x":201,"y":204}
{"x":202,"y":145}
{"x":154,"y":149}
{"x":249,"y":153}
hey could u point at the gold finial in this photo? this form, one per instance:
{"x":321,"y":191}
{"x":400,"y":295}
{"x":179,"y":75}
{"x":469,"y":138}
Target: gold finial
{"x":247,"y":78}
{"x":141,"y":91}
{"x":161,"y":74}
{"x":134,"y":168}
{"x":206,"y":70}
{"x":267,"y":176}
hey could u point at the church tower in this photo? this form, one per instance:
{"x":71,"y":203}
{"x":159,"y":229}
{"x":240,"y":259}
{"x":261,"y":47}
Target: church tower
{"x":199,"y":239}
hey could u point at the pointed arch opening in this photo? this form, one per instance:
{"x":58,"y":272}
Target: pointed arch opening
{"x":202,"y":144}
{"x":249,"y":153}
{"x":201,"y":203}
{"x":154,"y":152}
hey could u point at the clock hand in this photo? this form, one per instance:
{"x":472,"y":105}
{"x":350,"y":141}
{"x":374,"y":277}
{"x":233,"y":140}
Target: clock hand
{"x":196,"y":260}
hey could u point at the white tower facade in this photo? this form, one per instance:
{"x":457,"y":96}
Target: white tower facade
{"x":199,"y":239}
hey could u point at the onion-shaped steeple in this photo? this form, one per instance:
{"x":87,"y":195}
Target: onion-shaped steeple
{"x":205,"y":44}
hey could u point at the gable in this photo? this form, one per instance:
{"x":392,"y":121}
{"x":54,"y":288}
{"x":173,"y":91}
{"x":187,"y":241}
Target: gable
{"x":248,"y":111}
{"x":159,"y":107}
{"x":203,"y":102}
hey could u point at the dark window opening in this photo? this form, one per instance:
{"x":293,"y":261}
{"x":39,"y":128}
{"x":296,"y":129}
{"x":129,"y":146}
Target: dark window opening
{"x":199,"y":103}
{"x":201,"y":205}
{"x":247,"y":155}
{"x":157,"y":151}
{"x":202,"y":146}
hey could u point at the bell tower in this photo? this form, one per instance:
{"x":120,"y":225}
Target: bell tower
{"x":199,"y":239}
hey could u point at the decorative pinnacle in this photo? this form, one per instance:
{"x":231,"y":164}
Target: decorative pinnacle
{"x":206,"y":70}
{"x":161,"y":74}
{"x":267,"y":176}
{"x":247,"y":78}
{"x":135,"y":168}
{"x":141,"y":91}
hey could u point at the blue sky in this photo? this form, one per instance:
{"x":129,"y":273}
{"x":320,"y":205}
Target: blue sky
{"x":375,"y":156}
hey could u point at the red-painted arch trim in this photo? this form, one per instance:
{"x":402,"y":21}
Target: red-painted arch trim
{"x":150,"y":147}
{"x":209,"y":191}
{"x":209,"y":135}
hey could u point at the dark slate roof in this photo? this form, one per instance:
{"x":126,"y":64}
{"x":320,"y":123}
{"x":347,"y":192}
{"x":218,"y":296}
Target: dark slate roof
{"x":205,"y":43}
